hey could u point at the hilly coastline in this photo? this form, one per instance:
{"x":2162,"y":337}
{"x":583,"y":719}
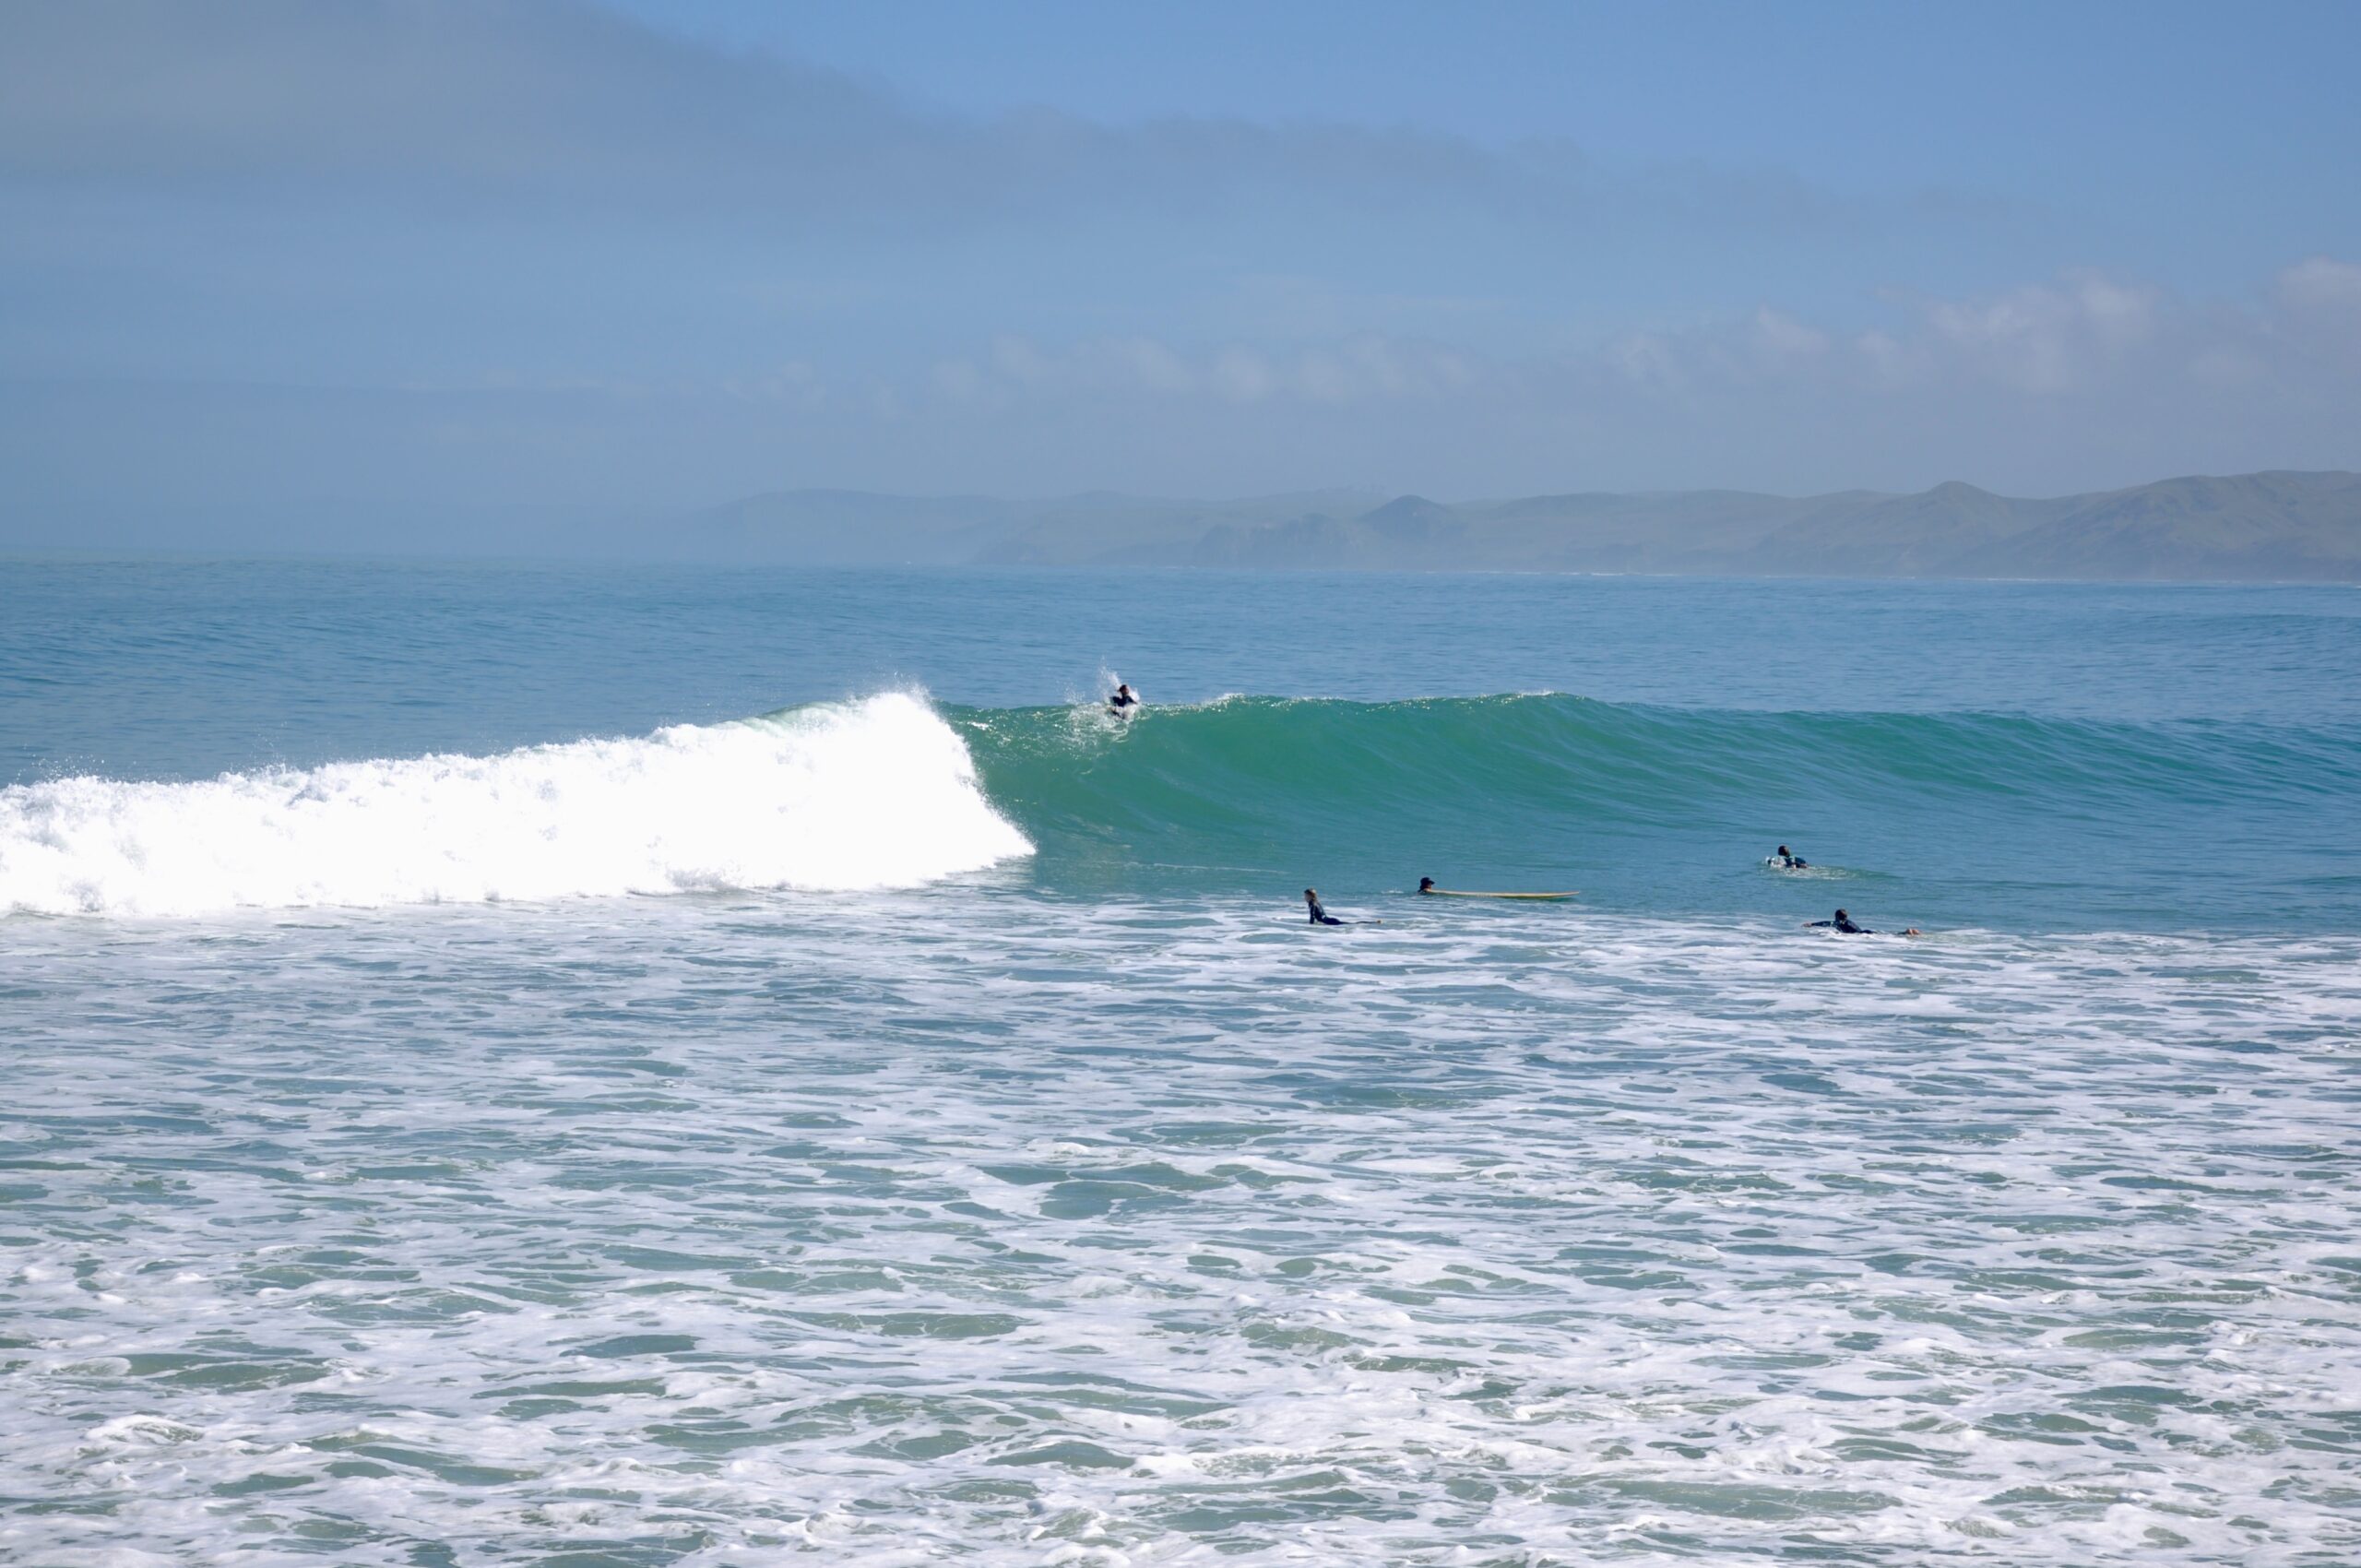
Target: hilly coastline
{"x":2277,"y":526}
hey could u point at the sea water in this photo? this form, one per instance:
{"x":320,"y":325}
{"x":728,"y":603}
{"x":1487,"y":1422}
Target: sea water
{"x":587,"y":1065}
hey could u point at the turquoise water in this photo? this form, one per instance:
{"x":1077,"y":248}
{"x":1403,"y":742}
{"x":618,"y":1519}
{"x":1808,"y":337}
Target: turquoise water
{"x":2007,"y":756}
{"x":553,"y":1066}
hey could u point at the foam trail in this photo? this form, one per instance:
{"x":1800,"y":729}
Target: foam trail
{"x":874,"y":793}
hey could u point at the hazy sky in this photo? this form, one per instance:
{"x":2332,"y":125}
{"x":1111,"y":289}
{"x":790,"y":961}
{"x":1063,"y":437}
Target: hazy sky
{"x":371,"y":272}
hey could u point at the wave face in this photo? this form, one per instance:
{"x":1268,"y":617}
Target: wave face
{"x":1967,"y":819}
{"x":1659,"y":800}
{"x":874,"y":793}
{"x":1611,"y":762}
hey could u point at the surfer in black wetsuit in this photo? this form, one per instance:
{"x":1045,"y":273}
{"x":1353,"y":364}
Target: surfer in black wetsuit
{"x":1123,"y":701}
{"x":1787,"y":861}
{"x":1844,"y":925}
{"x":1319,"y":915}
{"x":1426,"y":884}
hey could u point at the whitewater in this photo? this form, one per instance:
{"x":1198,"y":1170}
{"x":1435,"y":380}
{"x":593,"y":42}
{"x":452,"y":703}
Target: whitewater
{"x":875,"y":793}
{"x":557,"y":1066}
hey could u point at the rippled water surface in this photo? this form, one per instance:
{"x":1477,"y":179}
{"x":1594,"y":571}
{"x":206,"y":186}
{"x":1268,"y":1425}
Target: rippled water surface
{"x":611,"y":1069}
{"x":978,"y":1224}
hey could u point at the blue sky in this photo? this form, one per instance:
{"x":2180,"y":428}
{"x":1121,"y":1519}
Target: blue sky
{"x":356,"y":271}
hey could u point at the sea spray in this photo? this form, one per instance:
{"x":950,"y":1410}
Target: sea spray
{"x":874,"y":793}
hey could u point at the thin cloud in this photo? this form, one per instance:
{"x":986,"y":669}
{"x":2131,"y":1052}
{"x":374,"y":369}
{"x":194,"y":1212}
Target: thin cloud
{"x":1361,"y":368}
{"x":2078,"y":335}
{"x":449,"y":103}
{"x":453,"y":253}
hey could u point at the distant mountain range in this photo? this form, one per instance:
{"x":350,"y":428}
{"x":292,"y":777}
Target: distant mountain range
{"x":2264,"y":527}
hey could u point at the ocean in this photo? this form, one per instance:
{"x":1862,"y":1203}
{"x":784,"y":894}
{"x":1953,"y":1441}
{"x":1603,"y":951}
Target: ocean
{"x":630,"y":1065}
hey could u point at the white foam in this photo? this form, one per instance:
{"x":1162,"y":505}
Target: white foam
{"x":874,"y":793}
{"x":1543,"y":1229}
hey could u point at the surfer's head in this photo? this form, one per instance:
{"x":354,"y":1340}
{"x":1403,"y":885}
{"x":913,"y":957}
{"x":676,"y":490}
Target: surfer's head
{"x":1426,"y":884}
{"x":1842,"y":916}
{"x":1312,"y":893}
{"x":1782,"y":849}
{"x":1122,"y":690}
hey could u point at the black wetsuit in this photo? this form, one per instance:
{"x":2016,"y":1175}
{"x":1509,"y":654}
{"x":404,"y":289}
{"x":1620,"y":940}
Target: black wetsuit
{"x":1319,"y":915}
{"x":1118,"y":702}
{"x":1846,"y":926}
{"x":1792,"y":863}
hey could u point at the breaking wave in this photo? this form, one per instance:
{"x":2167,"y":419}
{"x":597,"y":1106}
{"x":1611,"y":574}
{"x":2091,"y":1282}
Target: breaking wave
{"x":878,"y":792}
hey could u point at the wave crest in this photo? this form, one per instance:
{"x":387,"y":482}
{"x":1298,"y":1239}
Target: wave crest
{"x":878,"y":792}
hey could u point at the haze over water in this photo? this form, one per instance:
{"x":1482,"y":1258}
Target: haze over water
{"x":569,"y":1065}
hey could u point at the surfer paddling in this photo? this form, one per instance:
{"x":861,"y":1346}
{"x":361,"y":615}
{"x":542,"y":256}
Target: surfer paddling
{"x":1843,"y":925}
{"x":1787,"y":861}
{"x":1320,"y":916}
